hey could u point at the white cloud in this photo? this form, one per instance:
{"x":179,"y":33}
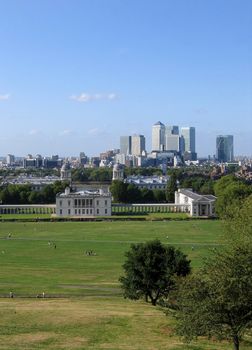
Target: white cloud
{"x":65,"y":132}
{"x":87,"y":97}
{"x":34,"y":132}
{"x":4,"y":97}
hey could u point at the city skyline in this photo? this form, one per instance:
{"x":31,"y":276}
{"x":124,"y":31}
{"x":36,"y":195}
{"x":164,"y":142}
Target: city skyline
{"x":77,"y":75}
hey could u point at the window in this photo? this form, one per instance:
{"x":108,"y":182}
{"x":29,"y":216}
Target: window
{"x":69,"y":203}
{"x":79,"y":211}
{"x":75,"y":211}
{"x":83,"y":202}
{"x":106,"y":202}
{"x":79,"y":202}
{"x":87,"y":211}
{"x":87,"y":202}
{"x":69,"y":211}
{"x":75,"y":202}
{"x":91,"y":211}
{"x":97,"y":211}
{"x":97,"y":202}
{"x":60,"y":203}
{"x":91,"y":202}
{"x":60,"y":211}
{"x":83,"y":211}
{"x":106,"y":211}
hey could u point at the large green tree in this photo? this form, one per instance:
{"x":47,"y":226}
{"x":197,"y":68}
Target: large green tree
{"x":217,"y":302}
{"x":150,"y":269}
{"x":231,"y":193}
{"x":171,"y":188}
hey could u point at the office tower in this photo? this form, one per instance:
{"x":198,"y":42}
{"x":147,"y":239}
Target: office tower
{"x":171,"y":130}
{"x":188,"y":139}
{"x":172,"y":143}
{"x":10,"y":159}
{"x":158,"y":137}
{"x":225,"y":148}
{"x":137,"y":145}
{"x":125,"y":144}
{"x":172,"y":139}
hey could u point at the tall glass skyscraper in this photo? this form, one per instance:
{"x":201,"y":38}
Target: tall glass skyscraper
{"x":225,"y":148}
{"x":158,"y":137}
{"x":125,"y":144}
{"x":188,"y":135}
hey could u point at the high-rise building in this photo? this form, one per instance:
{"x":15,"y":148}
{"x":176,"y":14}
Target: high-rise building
{"x":188,"y":139}
{"x":172,"y":143}
{"x":225,"y":148}
{"x":172,"y":138}
{"x":10,"y":159}
{"x":125,"y":144}
{"x":172,"y":130}
{"x":137,"y":145}
{"x":158,"y":137}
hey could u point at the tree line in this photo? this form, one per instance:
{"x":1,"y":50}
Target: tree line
{"x":24,"y":194}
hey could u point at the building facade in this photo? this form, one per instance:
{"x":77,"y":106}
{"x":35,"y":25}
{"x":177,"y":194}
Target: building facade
{"x":199,"y":205}
{"x":225,"y":148}
{"x":83,"y":203}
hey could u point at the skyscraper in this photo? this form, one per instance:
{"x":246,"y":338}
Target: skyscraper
{"x":188,"y":136}
{"x":172,"y":138}
{"x":158,"y":137}
{"x":225,"y":148}
{"x":137,"y":145}
{"x":125,"y":144}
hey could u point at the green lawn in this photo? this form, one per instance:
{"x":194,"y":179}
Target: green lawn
{"x":31,"y":264}
{"x":92,"y":315}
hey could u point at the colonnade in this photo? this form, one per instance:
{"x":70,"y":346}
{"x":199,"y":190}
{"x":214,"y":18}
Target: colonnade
{"x":27,"y":209}
{"x":149,"y":208}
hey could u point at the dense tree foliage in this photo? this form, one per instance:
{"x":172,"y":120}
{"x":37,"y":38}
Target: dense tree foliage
{"x":23,"y":194}
{"x":171,"y":188}
{"x":150,"y":269}
{"x":92,"y":174}
{"x":218,"y":301}
{"x":230,"y":192}
{"x":129,"y":193}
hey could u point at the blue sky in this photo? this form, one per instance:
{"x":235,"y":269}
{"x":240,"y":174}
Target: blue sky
{"x":77,"y":74}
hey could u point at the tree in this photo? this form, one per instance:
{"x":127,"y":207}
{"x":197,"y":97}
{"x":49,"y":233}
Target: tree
{"x":231,"y":193}
{"x":118,"y":190}
{"x":171,"y":188}
{"x":218,"y":301}
{"x":150,"y":269}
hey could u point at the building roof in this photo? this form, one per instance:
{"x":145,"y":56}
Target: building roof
{"x":147,"y":180}
{"x":197,"y":197}
{"x":158,"y":123}
{"x":85,"y":193}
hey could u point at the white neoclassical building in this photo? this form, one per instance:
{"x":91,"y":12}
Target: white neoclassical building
{"x":199,"y":205}
{"x":83,"y":203}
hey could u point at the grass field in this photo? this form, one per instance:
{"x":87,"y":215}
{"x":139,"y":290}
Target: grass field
{"x":91,"y":313}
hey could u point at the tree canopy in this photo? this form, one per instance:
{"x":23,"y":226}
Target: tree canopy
{"x":150,"y":270}
{"x":218,"y":301}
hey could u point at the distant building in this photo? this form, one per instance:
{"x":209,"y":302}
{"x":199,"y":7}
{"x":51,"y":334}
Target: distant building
{"x":137,"y":145}
{"x":118,"y":172}
{"x":158,"y":137}
{"x":188,"y":138}
{"x":150,"y":182}
{"x":10,"y":159}
{"x":125,"y":145}
{"x":225,"y":148}
{"x":199,"y":205}
{"x":65,"y":172}
{"x":83,"y":203}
